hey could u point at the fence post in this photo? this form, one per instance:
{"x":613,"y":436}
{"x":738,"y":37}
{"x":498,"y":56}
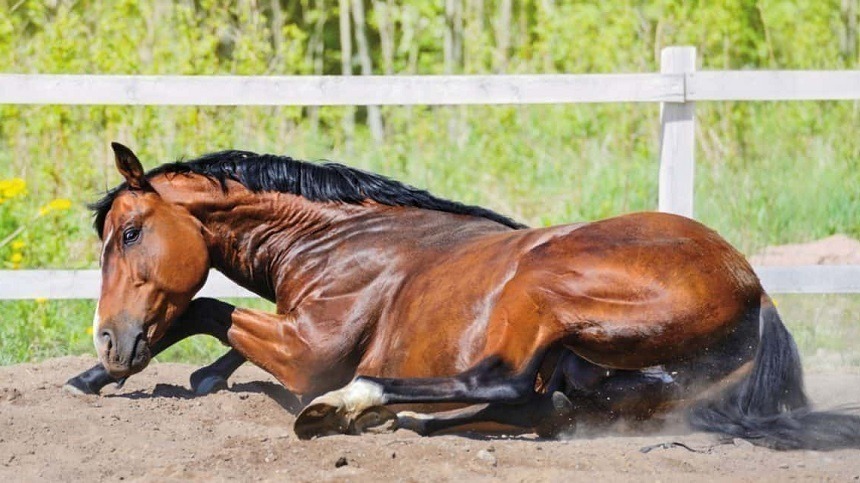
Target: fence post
{"x":677,"y":138}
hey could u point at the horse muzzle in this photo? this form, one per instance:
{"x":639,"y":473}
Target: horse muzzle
{"x":123,"y":353}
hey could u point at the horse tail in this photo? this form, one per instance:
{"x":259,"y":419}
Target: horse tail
{"x":769,"y":407}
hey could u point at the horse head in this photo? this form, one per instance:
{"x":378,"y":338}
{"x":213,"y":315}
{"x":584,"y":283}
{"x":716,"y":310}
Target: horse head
{"x":154,"y":259}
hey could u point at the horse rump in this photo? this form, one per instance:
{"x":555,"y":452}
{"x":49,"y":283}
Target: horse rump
{"x":769,"y":407}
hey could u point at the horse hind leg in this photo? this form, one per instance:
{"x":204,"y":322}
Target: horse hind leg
{"x":518,"y":341}
{"x":578,"y":390}
{"x":360,"y":405}
{"x":640,"y":395}
{"x":548,"y":415}
{"x":503,"y":399}
{"x":628,"y":395}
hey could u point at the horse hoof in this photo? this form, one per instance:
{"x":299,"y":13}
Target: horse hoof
{"x":208,"y":385}
{"x":378,"y":419}
{"x":561,"y":404}
{"x":416,"y":422}
{"x":320,"y":419}
{"x":561,"y":419}
{"x":79,"y":388}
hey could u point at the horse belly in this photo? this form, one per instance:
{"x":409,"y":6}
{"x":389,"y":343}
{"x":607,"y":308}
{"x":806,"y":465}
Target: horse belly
{"x":440,"y":331}
{"x":439,"y":324}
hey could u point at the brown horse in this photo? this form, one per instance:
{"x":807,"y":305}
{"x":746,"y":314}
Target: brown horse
{"x":387,"y":295}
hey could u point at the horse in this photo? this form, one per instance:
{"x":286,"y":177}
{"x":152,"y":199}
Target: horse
{"x":388,"y":297}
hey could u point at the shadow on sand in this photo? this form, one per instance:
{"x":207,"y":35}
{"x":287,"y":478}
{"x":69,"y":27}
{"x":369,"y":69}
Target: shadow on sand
{"x":276,"y":392}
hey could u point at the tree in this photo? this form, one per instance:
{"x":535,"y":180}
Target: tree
{"x":346,"y":69}
{"x":374,"y":117}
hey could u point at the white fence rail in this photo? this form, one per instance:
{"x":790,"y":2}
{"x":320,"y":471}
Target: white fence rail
{"x":338,"y":91}
{"x":677,"y":87}
{"x":85,"y":284}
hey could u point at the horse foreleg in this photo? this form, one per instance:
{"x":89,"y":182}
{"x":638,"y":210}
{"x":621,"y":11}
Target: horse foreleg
{"x":194,"y":321}
{"x":213,"y":377}
{"x":90,"y":381}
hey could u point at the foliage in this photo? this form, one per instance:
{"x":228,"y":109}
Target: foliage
{"x":767,"y":172}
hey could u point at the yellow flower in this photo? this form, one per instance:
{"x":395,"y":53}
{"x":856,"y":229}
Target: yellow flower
{"x":10,"y":188}
{"x":59,"y":204}
{"x":16,"y":258}
{"x":90,"y":330}
{"x":41,"y":300}
{"x":18,"y":244}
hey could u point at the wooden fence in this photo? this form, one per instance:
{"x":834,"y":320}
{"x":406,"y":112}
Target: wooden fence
{"x":677,"y":88}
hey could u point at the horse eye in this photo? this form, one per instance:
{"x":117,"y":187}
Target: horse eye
{"x":130,"y":235}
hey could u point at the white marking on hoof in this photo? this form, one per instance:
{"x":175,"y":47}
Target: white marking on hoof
{"x":343,"y":411}
{"x":74,"y":390}
{"x":360,"y":394}
{"x":355,"y":397}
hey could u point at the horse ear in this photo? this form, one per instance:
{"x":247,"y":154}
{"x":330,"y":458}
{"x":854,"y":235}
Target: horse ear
{"x":130,"y":168}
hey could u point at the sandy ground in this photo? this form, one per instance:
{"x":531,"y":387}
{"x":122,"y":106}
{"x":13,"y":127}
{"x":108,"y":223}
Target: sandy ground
{"x":833,"y":250}
{"x":154,"y":429}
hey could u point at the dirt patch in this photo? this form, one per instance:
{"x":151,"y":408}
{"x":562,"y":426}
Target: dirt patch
{"x":833,"y":250}
{"x":154,"y":429}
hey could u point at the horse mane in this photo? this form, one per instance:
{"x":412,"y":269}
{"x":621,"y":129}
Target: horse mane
{"x":317,"y":182}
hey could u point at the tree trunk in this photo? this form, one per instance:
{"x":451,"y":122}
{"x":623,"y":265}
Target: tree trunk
{"x":503,"y":35}
{"x":453,"y":56}
{"x":316,"y":53}
{"x":474,"y":38}
{"x":384,"y":11}
{"x":277,"y":21}
{"x":414,"y":47}
{"x":374,"y":117}
{"x":411,"y":31}
{"x":547,"y":12}
{"x":849,"y":39}
{"x":346,"y":70}
{"x":448,"y":36}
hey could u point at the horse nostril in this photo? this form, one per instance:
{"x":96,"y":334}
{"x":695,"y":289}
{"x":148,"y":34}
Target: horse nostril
{"x":139,"y":348}
{"x":107,"y":339}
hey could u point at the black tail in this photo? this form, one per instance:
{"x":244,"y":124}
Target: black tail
{"x":769,"y":407}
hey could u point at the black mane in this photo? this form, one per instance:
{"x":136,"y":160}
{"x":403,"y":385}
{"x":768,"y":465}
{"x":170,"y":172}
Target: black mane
{"x":316,"y":182}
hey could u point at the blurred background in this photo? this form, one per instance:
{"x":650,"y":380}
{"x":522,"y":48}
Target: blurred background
{"x":768,"y":173}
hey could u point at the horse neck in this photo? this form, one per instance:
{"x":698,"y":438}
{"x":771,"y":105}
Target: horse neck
{"x":284,"y":247}
{"x":267,"y":241}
